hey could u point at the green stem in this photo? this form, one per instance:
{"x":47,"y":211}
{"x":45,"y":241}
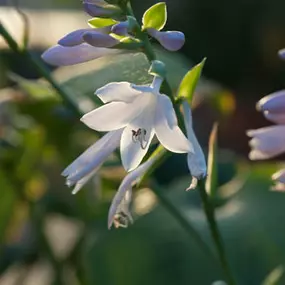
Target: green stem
{"x":215,"y":233}
{"x":182,"y":220}
{"x":40,"y":67}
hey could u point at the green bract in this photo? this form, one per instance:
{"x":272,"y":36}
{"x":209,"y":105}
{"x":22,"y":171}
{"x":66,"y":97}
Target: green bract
{"x":189,"y":82}
{"x":212,"y":178}
{"x":155,"y":17}
{"x":101,"y":22}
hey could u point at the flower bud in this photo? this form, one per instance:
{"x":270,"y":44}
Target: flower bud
{"x":277,"y":118}
{"x":274,"y":102}
{"x":62,"y":56}
{"x":99,"y":40}
{"x":121,"y":28}
{"x":171,"y":40}
{"x":157,"y":68}
{"x":95,"y":10}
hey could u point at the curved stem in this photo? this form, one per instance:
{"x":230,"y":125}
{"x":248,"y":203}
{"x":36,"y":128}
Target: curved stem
{"x":215,"y":233}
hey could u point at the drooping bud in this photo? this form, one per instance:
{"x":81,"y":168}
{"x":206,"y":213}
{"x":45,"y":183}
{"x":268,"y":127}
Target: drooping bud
{"x":121,"y":28}
{"x":171,"y":40}
{"x":274,"y":102}
{"x":99,"y":10}
{"x":99,"y":40}
{"x":62,"y":56}
{"x":196,"y":160}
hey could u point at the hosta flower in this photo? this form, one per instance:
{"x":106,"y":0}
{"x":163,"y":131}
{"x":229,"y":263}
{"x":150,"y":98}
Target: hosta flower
{"x":119,"y":212}
{"x":87,"y":164}
{"x":170,"y":40}
{"x":196,"y":160}
{"x":267,"y":142}
{"x":143,"y":112}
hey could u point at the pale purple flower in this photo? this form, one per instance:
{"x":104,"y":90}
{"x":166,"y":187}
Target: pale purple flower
{"x":61,"y":56}
{"x":119,"y":212}
{"x":267,"y":142}
{"x":196,"y":160}
{"x":143,"y":112}
{"x":79,"y":172}
{"x":97,"y":39}
{"x":170,"y":40}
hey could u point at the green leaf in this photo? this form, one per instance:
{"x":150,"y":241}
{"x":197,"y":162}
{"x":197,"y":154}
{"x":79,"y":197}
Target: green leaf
{"x":101,"y":22}
{"x":274,"y":277}
{"x":189,"y":82}
{"x":212,"y":178}
{"x":155,"y":17}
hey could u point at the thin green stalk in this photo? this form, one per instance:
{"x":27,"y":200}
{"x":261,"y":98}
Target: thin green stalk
{"x":215,"y":233}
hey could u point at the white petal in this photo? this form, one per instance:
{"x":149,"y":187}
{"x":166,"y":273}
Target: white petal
{"x":61,"y":56}
{"x":87,"y":164}
{"x":111,"y":139}
{"x":117,"y":91}
{"x":79,"y":184}
{"x":132,"y":152}
{"x":126,"y":184}
{"x":166,"y":128}
{"x":196,"y":161}
{"x":116,"y":115}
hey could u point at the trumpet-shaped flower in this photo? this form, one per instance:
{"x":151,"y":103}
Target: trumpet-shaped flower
{"x":196,"y":160}
{"x":87,"y":164}
{"x":119,"y":212}
{"x":267,"y":142}
{"x":143,"y":112}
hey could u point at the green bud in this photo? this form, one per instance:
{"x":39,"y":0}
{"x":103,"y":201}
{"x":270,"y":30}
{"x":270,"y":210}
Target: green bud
{"x":157,"y":68}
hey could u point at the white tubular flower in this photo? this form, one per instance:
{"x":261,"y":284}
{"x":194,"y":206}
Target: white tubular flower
{"x":143,"y":112}
{"x":267,"y":142}
{"x":62,"y":56}
{"x":196,"y":161}
{"x":86,"y":165}
{"x":119,"y":213}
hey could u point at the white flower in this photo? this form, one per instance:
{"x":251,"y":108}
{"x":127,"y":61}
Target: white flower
{"x":143,"y":112}
{"x":119,"y":213}
{"x":267,"y":142}
{"x":196,"y":161}
{"x":87,"y":164}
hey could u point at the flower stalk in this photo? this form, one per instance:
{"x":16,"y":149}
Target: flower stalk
{"x":215,"y":232}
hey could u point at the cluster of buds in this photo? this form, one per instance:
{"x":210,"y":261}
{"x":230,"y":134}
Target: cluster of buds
{"x":269,"y":142}
{"x":110,"y":32}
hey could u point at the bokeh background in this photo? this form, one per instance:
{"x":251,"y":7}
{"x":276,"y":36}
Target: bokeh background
{"x":48,"y":236}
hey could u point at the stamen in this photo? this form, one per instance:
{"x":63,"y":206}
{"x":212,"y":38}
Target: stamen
{"x":140,"y":136}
